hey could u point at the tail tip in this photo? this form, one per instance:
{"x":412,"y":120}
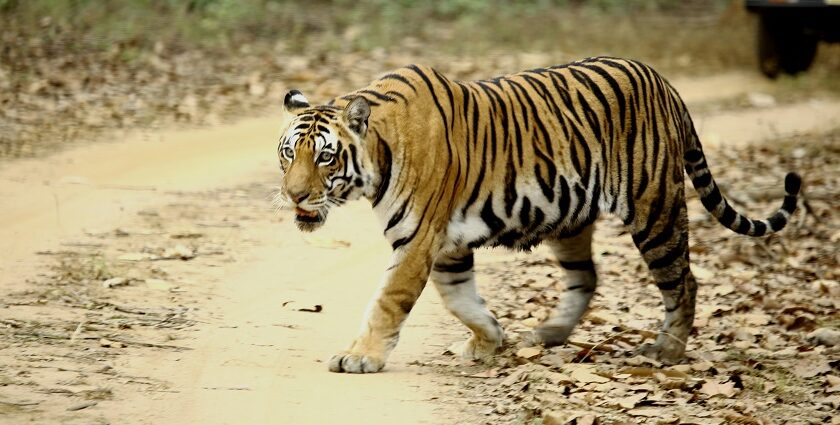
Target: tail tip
{"x":793,"y":183}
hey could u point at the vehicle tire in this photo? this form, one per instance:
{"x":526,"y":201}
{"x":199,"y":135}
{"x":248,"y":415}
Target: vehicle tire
{"x":784,"y":47}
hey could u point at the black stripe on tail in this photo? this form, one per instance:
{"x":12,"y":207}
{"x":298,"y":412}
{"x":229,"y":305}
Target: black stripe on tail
{"x":718,"y":206}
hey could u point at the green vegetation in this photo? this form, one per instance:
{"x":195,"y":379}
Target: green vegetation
{"x":634,"y":27}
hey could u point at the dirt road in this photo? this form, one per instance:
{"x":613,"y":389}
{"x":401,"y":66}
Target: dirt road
{"x":252,"y":353}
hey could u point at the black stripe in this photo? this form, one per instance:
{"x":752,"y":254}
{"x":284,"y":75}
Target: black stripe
{"x":399,"y":78}
{"x":665,"y":235}
{"x":777,"y":222}
{"x":397,"y":94}
{"x":702,"y":181}
{"x":582,"y":286}
{"x":402,"y":241}
{"x":385,"y":172}
{"x":510,"y":187}
{"x":599,"y":94}
{"x":672,"y":284}
{"x":743,"y":226}
{"x":565,"y":199}
{"x":510,"y":238}
{"x":397,"y":216}
{"x":672,"y":255}
{"x":539,"y":216}
{"x":525,"y":212}
{"x":578,"y":265}
{"x":693,"y":156}
{"x":458,"y":265}
{"x":728,"y":216}
{"x":617,"y":92}
{"x":378,"y":95}
{"x":632,"y":134}
{"x":354,"y":156}
{"x":789,"y":204}
{"x":490,"y":218}
{"x":760,"y":228}
{"x":457,"y":281}
{"x":580,"y":191}
{"x":712,"y":200}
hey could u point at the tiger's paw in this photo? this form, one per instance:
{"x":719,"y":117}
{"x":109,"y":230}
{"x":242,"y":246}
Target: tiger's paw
{"x":355,"y":363}
{"x":668,"y":354}
{"x":479,"y":349}
{"x":552,"y":335}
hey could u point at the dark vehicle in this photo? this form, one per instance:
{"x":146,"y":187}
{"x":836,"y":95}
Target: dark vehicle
{"x":789,"y":31}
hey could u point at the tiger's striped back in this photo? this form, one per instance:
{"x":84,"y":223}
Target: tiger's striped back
{"x":544,"y":151}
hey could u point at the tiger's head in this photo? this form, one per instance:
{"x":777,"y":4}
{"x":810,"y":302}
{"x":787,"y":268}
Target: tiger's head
{"x":323,"y":158}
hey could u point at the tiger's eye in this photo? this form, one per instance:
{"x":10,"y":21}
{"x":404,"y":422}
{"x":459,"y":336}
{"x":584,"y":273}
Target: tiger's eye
{"x":326,"y":157}
{"x":288,"y":152}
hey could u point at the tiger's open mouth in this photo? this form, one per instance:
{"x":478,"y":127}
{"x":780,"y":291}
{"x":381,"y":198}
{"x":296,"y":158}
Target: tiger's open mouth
{"x":308,"y":220}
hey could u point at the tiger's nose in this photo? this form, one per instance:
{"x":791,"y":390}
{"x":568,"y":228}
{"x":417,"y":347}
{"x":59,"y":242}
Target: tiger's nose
{"x":298,"y":197}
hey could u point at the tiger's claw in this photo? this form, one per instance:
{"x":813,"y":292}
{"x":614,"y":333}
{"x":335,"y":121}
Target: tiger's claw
{"x":355,"y":363}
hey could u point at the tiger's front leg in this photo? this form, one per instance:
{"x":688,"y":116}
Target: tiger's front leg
{"x":401,"y":286}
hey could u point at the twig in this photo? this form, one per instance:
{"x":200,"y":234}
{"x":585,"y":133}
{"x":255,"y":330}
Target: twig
{"x":642,"y":332}
{"x":283,"y":325}
{"x":609,"y":338}
{"x":21,"y":404}
{"x":236,"y":388}
{"x":78,"y":331}
{"x":148,"y":344}
{"x":81,"y":406}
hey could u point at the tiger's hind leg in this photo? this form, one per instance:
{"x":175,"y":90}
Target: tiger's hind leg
{"x":575,"y":256}
{"x":455,"y":281}
{"x":663,"y":242}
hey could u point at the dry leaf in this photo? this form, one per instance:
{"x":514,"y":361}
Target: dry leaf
{"x":558,"y":378}
{"x":648,"y":412}
{"x":114,"y":282}
{"x":179,"y":252}
{"x":528,"y":352}
{"x":584,"y":374}
{"x":489,"y":373}
{"x":701,"y":272}
{"x":713,"y":388}
{"x":811,"y":369}
{"x":531,"y":322}
{"x":630,"y":402}
{"x":110,"y":344}
{"x":824,"y":336}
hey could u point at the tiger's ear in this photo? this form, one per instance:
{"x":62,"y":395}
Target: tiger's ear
{"x":356,"y":114}
{"x":295,"y":101}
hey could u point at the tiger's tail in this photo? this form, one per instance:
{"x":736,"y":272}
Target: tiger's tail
{"x":718,"y":206}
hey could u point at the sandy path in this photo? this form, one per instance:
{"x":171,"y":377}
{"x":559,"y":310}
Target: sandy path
{"x":259,"y":371}
{"x":264,"y":363}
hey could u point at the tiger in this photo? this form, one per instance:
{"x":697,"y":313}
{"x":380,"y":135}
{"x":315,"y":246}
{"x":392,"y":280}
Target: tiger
{"x":515,"y":161}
